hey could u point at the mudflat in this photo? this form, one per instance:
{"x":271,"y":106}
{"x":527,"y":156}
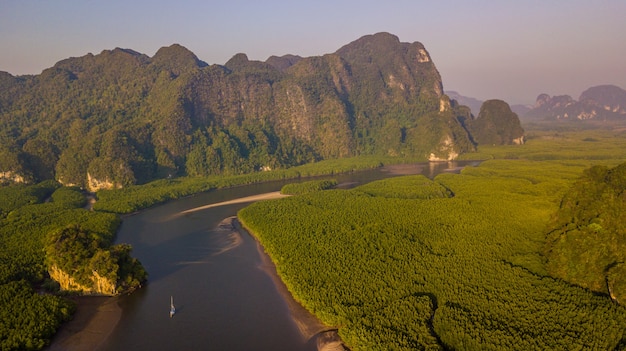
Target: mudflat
{"x":92,"y":323}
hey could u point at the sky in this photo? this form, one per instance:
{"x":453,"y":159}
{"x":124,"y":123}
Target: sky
{"x":485,"y":49}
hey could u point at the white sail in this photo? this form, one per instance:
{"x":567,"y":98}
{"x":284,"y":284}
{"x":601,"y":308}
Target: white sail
{"x":172,"y":308}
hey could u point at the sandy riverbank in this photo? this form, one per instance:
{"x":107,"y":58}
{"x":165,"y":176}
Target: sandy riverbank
{"x":94,"y":320}
{"x":311,"y":329}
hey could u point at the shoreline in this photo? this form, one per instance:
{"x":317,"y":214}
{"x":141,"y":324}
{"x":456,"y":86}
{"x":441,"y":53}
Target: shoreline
{"x":310,"y":327}
{"x":94,"y":320}
{"x":96,"y":317}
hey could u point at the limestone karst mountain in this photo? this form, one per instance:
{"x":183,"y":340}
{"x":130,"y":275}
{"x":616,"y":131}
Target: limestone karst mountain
{"x":605,"y":103}
{"x":120,"y":117}
{"x":496,"y":124}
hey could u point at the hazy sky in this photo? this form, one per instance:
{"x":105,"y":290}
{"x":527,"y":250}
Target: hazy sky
{"x":511,"y":50}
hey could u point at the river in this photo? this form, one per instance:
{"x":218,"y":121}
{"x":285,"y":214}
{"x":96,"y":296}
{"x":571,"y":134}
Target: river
{"x":224,"y":300}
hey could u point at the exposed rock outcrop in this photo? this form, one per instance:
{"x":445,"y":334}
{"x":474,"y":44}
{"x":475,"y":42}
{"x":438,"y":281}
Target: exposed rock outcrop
{"x":11,"y":177}
{"x":446,"y":151}
{"x":93,"y":184}
{"x":99,"y":286}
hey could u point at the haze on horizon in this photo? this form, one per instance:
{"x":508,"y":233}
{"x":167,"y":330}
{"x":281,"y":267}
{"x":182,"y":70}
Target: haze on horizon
{"x":485,"y":49}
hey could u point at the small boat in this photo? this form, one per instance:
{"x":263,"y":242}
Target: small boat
{"x":172,"y":308}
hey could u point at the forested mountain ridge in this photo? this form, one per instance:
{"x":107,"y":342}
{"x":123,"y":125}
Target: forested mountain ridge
{"x":121,"y":117}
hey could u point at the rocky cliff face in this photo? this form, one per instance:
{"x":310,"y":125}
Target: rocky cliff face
{"x":123,"y":117}
{"x":11,"y":177}
{"x":99,"y":285}
{"x":93,"y":184}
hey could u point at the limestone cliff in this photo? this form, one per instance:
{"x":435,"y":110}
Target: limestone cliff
{"x":445,"y":152}
{"x":93,"y":184}
{"x":11,"y":177}
{"x":99,"y":285}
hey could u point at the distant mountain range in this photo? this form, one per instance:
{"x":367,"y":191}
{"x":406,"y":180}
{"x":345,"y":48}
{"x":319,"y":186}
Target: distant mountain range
{"x":603,"y":103}
{"x":475,"y":104}
{"x":472,"y":103}
{"x":120,"y":117}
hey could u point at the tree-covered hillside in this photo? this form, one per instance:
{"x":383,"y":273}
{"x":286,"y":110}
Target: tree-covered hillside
{"x":587,"y":240}
{"x":120,"y":117}
{"x":496,"y":124}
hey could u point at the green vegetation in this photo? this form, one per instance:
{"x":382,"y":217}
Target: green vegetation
{"x":409,"y":187}
{"x":308,"y":187}
{"x":33,"y":219}
{"x":587,"y":238}
{"x":606,"y":146}
{"x":14,"y":197}
{"x":404,"y":271}
{"x":29,"y":320}
{"x":92,"y":262}
{"x":120,"y":118}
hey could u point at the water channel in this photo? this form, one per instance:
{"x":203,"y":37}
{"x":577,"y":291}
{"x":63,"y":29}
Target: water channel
{"x":224,"y":300}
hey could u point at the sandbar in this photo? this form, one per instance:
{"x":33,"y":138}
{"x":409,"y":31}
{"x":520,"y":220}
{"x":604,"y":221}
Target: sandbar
{"x":92,"y":323}
{"x":253,"y":198}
